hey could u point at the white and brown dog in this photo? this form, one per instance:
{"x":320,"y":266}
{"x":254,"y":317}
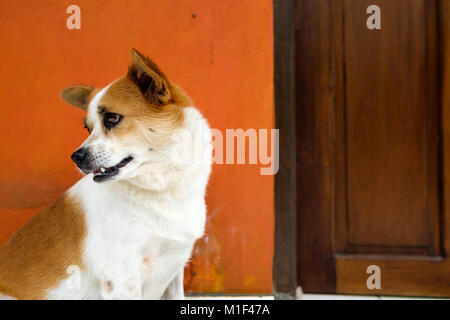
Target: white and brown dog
{"x":127,"y":229}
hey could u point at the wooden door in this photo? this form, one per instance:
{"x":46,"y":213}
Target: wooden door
{"x":372,"y":146}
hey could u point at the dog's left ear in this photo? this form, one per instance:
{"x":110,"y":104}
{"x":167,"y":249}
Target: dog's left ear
{"x":78,"y":96}
{"x":150,"y":80}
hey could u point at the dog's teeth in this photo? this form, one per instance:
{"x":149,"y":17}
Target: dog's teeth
{"x":102,"y":169}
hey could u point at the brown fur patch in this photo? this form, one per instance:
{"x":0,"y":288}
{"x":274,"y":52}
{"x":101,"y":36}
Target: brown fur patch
{"x":93,"y":94}
{"x":35,"y":259}
{"x":140,"y":116}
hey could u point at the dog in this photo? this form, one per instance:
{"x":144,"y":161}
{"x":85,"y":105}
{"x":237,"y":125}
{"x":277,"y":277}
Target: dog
{"x":127,"y":229}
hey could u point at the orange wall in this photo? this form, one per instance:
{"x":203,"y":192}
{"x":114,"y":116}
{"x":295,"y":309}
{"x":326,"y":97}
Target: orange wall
{"x":223,"y":59}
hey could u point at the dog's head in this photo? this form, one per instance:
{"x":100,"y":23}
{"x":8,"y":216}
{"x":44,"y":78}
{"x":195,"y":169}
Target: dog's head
{"x":130,"y":121}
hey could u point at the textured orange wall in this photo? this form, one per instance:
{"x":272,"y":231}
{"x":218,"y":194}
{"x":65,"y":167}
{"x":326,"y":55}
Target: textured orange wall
{"x":223,"y":59}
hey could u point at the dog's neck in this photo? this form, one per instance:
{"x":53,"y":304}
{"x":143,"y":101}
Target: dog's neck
{"x":180,"y":183}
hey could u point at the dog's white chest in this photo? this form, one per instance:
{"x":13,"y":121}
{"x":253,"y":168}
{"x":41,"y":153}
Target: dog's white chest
{"x":130,"y":252}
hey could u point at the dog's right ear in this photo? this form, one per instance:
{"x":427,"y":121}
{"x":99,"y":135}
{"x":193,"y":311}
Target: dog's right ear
{"x":77,"y":96}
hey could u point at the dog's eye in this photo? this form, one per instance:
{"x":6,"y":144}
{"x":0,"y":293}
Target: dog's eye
{"x":87,"y":128}
{"x":111,"y":119}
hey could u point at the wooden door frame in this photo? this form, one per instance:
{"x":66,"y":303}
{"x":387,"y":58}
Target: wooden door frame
{"x":289,"y":268}
{"x":317,"y":39}
{"x":285,"y":255}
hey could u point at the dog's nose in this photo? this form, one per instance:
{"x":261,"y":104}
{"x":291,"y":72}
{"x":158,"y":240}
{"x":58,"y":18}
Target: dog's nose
{"x":79,"y":155}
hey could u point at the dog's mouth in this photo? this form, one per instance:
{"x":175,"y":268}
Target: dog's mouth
{"x":103,"y":174}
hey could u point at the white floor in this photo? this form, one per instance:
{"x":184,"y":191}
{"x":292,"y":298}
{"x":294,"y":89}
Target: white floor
{"x":307,"y":297}
{"x":229,"y":297}
{"x":350,"y":297}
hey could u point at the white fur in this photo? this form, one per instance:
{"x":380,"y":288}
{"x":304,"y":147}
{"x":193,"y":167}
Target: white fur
{"x":141,"y":230}
{"x":5,"y":297}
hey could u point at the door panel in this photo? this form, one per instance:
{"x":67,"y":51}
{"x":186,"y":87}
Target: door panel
{"x":390,"y":122}
{"x":372,"y":122}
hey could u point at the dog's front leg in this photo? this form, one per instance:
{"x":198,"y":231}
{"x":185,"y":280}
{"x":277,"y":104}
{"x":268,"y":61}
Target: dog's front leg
{"x":175,"y":290}
{"x":121,"y":283}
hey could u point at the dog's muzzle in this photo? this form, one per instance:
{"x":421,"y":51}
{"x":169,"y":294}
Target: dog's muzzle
{"x":83,"y":161}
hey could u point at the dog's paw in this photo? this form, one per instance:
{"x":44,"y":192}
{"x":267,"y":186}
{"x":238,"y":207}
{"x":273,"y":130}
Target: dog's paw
{"x":129,"y":289}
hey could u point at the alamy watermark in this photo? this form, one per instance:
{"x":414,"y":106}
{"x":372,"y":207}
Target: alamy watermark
{"x":74,"y":277}
{"x":374,"y":20}
{"x":74,"y":20}
{"x":237,"y":146}
{"x":374,"y":280}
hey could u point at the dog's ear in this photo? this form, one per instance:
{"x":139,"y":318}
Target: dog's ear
{"x":78,"y":96}
{"x":150,"y":80}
